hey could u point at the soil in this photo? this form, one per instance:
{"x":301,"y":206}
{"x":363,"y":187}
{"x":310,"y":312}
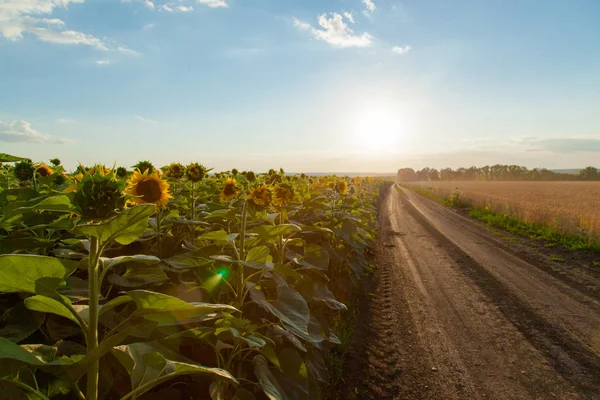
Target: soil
{"x":455,"y":311}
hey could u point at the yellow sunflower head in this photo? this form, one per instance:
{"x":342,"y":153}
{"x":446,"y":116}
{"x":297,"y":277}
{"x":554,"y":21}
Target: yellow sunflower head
{"x":44,"y":170}
{"x":229,"y":190}
{"x":331,"y":185}
{"x":341,"y":187}
{"x":284,"y":194}
{"x":260,"y":196}
{"x":148,"y":188}
{"x":176,"y":171}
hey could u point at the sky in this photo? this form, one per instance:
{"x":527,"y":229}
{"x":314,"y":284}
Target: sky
{"x":306,"y":85}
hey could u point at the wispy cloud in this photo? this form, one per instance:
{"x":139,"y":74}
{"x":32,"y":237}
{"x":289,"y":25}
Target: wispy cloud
{"x":349,"y":17}
{"x":22,"y":132}
{"x":369,"y":6}
{"x":19,"y":17}
{"x":148,"y":26}
{"x":213,"y":3}
{"x":145,"y":120}
{"x":125,"y":50}
{"x":335,"y":31}
{"x":562,"y":145}
{"x":102,"y":62}
{"x":65,"y":121}
{"x":149,"y":4}
{"x":401,"y":49}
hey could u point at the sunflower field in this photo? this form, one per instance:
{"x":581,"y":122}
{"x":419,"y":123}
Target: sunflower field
{"x":174,"y":283}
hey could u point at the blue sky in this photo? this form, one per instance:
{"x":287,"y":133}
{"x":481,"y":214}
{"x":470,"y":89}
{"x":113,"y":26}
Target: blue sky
{"x":307,"y":85}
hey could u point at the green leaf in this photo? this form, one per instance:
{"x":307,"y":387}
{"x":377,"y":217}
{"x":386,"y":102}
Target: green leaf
{"x":168,"y":310}
{"x":139,"y":258}
{"x":322,"y":293}
{"x":48,"y":305}
{"x":8,"y":158}
{"x":148,"y":368}
{"x":124,"y":228}
{"x":219,"y":236}
{"x":269,"y":232}
{"x":258,"y":257}
{"x":54,"y":203}
{"x":290,"y":307}
{"x":9,"y":244}
{"x":30,"y":274}
{"x":18,"y":323}
{"x":37,"y":355}
{"x":139,"y":275}
{"x":268,"y":382}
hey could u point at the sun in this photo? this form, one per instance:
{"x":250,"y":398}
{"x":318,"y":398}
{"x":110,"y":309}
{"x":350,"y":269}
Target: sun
{"x":378,"y":130}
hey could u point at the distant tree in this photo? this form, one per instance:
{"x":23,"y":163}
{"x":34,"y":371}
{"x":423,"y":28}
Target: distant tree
{"x":407,"y":175}
{"x":589,"y":174}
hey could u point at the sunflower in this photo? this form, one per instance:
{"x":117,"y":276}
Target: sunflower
{"x":144,"y":166}
{"x":97,"y":196}
{"x":341,"y":187}
{"x":98,"y":169}
{"x":148,"y":188}
{"x":24,"y":170}
{"x":195,"y":172}
{"x":122,"y":172}
{"x":229,"y":190}
{"x":44,"y":170}
{"x":175,"y":171}
{"x":283,"y":195}
{"x":331,"y":185}
{"x":260,"y":195}
{"x":250,"y":176}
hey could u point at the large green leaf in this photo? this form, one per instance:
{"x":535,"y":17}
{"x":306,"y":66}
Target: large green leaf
{"x":273,"y":231}
{"x":48,"y":305}
{"x":267,"y":380}
{"x":322,"y":293}
{"x":148,"y":368}
{"x":54,"y":203}
{"x":37,"y":355}
{"x":219,"y":236}
{"x":139,"y":258}
{"x":124,"y":228}
{"x":290,"y":307}
{"x":259,"y":257}
{"x":8,"y":158}
{"x":168,"y":310}
{"x":18,"y":323}
{"x":30,"y":274}
{"x":139,"y":275}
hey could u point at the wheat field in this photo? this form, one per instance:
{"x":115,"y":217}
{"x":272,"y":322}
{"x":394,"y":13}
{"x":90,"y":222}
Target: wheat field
{"x":567,"y":207}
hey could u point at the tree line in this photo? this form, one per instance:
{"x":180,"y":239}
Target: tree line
{"x":496,"y":172}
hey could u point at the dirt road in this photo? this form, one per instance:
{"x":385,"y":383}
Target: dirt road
{"x":453,"y":313}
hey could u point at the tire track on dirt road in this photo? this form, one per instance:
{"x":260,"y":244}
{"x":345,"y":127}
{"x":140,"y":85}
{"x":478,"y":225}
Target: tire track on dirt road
{"x":469,"y":319}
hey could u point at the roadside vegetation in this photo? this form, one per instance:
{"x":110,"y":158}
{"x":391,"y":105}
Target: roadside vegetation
{"x":177,"y":283}
{"x":483,"y":209}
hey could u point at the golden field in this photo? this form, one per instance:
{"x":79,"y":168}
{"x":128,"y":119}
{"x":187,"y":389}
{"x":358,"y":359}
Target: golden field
{"x":567,"y":207}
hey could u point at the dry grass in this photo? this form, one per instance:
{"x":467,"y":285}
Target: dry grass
{"x":566,"y":207}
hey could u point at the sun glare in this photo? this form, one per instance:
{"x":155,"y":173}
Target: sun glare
{"x":378,"y":130}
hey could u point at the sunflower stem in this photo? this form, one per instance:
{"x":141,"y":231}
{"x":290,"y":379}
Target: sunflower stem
{"x":240,"y":291}
{"x":92,"y":335}
{"x":158,"y":233}
{"x":193,"y":214}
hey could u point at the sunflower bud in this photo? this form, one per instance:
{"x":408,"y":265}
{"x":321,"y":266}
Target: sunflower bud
{"x":195,"y":172}
{"x":24,"y":171}
{"x":176,"y":171}
{"x":144,"y":166}
{"x":99,"y":196}
{"x":250,"y":176}
{"x":260,"y":196}
{"x":284,"y":194}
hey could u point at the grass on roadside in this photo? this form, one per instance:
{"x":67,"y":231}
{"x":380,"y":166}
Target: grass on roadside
{"x":514,"y":224}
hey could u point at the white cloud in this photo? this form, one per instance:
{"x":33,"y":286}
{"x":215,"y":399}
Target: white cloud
{"x":166,"y":8}
{"x":123,"y":49}
{"x":22,"y":132}
{"x":146,"y":120}
{"x":149,"y":4}
{"x":370,"y":6}
{"x":184,"y":8}
{"x":213,"y":3}
{"x":335,"y":31}
{"x":102,"y":62}
{"x":19,"y":17}
{"x":65,"y":121}
{"x":401,"y":49}
{"x":349,"y":17}
{"x":148,"y":26}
